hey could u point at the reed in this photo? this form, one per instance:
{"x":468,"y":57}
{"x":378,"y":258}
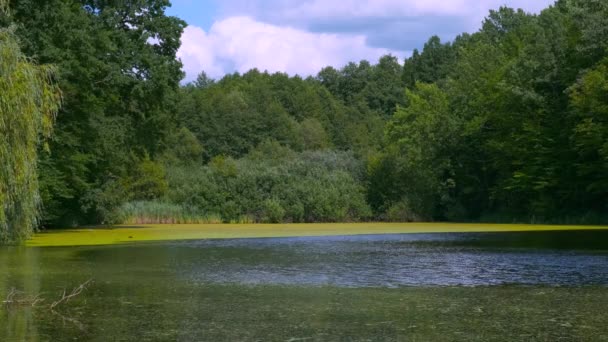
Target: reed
{"x":156,"y":212}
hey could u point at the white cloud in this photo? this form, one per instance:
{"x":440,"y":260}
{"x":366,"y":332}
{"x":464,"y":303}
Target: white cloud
{"x":241,"y":43}
{"x":393,"y":24}
{"x":197,"y":53}
{"x":303,"y":36}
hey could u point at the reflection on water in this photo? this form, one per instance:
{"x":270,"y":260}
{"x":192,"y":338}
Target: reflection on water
{"x":169,"y":277}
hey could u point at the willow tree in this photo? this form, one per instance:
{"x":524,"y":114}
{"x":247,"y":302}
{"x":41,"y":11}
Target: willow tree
{"x":29,"y":101}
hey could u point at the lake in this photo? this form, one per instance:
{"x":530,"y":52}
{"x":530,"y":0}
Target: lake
{"x":534,"y":286}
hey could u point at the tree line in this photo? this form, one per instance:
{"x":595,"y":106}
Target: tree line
{"x":509,"y":123}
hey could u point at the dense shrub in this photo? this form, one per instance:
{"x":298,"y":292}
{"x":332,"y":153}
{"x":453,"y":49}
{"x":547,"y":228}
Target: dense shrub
{"x":402,"y":212}
{"x":276,"y":187}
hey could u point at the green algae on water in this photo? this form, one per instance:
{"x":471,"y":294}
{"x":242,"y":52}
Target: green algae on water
{"x":155,"y":233}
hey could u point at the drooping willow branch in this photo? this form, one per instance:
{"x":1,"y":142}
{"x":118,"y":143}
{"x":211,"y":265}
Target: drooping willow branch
{"x":29,"y":102}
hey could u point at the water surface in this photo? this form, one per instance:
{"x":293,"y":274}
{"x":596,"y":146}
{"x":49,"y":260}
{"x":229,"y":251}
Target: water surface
{"x":472,"y":286}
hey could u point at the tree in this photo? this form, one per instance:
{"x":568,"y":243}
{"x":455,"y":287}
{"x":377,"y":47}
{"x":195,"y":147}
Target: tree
{"x":203,"y":81}
{"x":117,"y":67}
{"x":313,"y":135}
{"x":430,"y":65}
{"x":148,"y":181}
{"x":384,"y":90}
{"x":29,"y":101}
{"x":184,"y":148}
{"x":420,"y":137}
{"x":589,"y":100}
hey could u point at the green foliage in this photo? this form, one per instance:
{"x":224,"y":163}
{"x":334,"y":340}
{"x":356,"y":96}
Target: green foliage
{"x":29,"y":101}
{"x":273,"y":211}
{"x":377,"y":86}
{"x":203,"y":81}
{"x":119,"y":89}
{"x":402,"y":212}
{"x":271,"y":151}
{"x":224,"y":166}
{"x":148,"y":181}
{"x":183,"y":147}
{"x":508,"y":122}
{"x":513,"y":125}
{"x":103,"y":202}
{"x":313,"y":135}
{"x":234,"y":115}
{"x":420,"y":135}
{"x":433,"y":64}
{"x":145,"y":181}
{"x":589,"y":100}
{"x":304,"y":187}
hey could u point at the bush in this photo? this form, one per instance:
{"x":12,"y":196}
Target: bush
{"x":402,"y":212}
{"x":103,"y":202}
{"x":184,"y":148}
{"x":273,"y":211}
{"x":274,"y":187}
{"x":148,"y":181}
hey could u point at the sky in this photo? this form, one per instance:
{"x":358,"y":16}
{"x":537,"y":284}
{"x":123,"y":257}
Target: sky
{"x":303,"y":36}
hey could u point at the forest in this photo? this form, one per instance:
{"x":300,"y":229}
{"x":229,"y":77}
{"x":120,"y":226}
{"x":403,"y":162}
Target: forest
{"x":507,"y":124}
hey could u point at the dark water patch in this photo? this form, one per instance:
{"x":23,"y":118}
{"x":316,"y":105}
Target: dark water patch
{"x":581,"y":240}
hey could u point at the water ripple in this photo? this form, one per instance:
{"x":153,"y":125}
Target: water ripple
{"x":388,"y":261}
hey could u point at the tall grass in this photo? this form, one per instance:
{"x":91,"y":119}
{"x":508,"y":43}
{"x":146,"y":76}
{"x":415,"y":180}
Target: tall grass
{"x":156,"y":212}
{"x":245,"y":219}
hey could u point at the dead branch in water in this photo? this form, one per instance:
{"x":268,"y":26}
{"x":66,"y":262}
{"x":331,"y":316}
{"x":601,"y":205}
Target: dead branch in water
{"x":75,"y":292}
{"x":18,"y":298}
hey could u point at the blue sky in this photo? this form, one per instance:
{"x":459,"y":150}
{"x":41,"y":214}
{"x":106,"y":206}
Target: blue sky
{"x":303,"y":36}
{"x":201,"y":13}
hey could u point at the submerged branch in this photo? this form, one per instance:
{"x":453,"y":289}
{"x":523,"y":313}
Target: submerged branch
{"x":75,"y":292}
{"x":65,"y":319}
{"x":18,"y":298}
